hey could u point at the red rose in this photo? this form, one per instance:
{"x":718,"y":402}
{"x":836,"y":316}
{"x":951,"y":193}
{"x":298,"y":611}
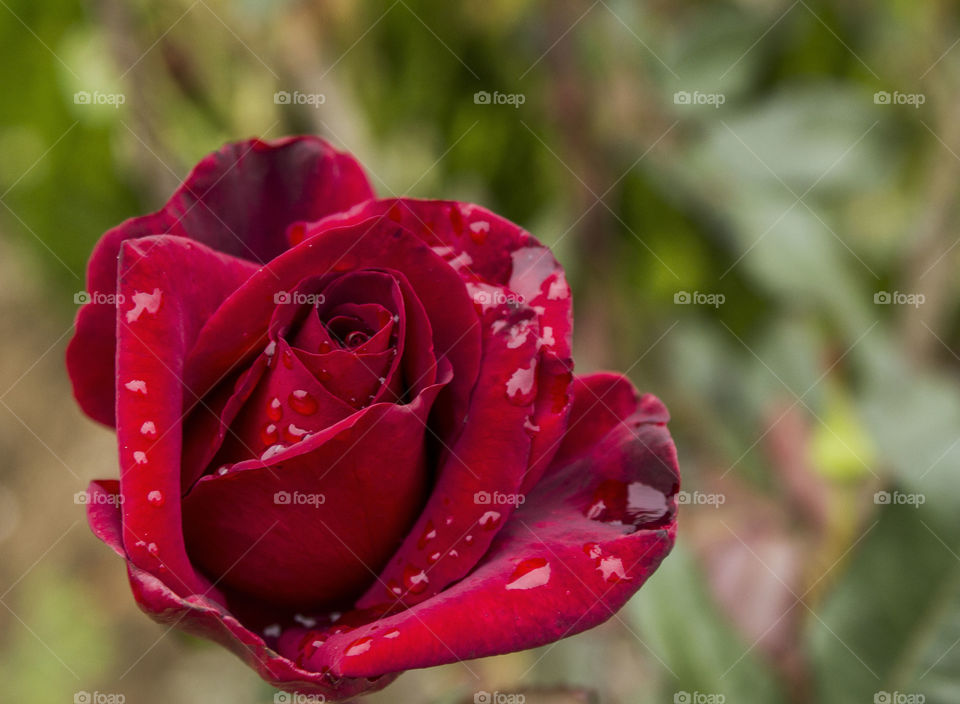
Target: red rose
{"x":350,"y":439}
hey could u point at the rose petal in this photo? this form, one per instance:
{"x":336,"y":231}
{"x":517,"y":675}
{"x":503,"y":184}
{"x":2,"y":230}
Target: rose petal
{"x":204,"y":617}
{"x":370,"y":244}
{"x":238,"y":200}
{"x":552,"y":571}
{"x":306,"y":528}
{"x":487,"y":461}
{"x":187,"y":281}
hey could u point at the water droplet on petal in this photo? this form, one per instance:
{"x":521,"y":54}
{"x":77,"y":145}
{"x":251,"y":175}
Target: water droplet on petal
{"x":155,"y":497}
{"x":431,"y":559}
{"x":272,"y":451}
{"x":149,"y":302}
{"x":287,"y":358}
{"x":137,"y":386}
{"x":270,"y":349}
{"x":521,"y":383}
{"x":324,"y":347}
{"x":479,"y":230}
{"x":611,"y":569}
{"x":269,"y":434}
{"x":415,"y":580}
{"x":293,"y":434}
{"x":391,"y":634}
{"x":223,"y":470}
{"x":148,"y":428}
{"x":530,"y":427}
{"x":140,"y":457}
{"x":429,"y":533}
{"x":153,"y":549}
{"x":302,"y":402}
{"x":394,"y":588}
{"x":529,"y":573}
{"x":489,"y":520}
{"x":361,"y":645}
{"x":274,"y":409}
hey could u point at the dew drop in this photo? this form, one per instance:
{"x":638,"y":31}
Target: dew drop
{"x":479,"y":230}
{"x":429,"y":533}
{"x":140,"y":457}
{"x":148,"y":428}
{"x":137,"y":386}
{"x":529,"y":573}
{"x":271,"y":451}
{"x":468,"y":539}
{"x":274,"y":409}
{"x":611,"y":569}
{"x":155,"y":497}
{"x":453,"y":553}
{"x":431,"y":559}
{"x":392,"y":634}
{"x":287,"y":358}
{"x":293,"y":434}
{"x":223,"y":470}
{"x":521,"y":383}
{"x":394,"y":588}
{"x":153,"y":549}
{"x":270,"y":349}
{"x":632,"y":504}
{"x":268,"y":435}
{"x":361,"y":645}
{"x":530,"y":427}
{"x":415,"y":580}
{"x":149,"y":302}
{"x":489,"y":520}
{"x":302,"y":402}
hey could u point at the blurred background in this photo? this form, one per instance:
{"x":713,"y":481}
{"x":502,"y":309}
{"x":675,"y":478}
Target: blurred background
{"x":756,"y":203}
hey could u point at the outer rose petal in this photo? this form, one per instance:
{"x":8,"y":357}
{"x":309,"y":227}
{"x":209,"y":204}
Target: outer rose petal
{"x":238,"y":200}
{"x":171,"y":286}
{"x":552,"y":571}
{"x":202,"y":616}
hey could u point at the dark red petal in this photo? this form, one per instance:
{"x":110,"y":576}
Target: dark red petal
{"x":307,"y":527}
{"x":485,"y":465}
{"x":552,"y":571}
{"x":204,"y":617}
{"x":238,"y":200}
{"x":499,"y":259}
{"x":171,"y":286}
{"x":376,"y":243}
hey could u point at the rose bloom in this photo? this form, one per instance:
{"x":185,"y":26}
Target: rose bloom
{"x":350,"y":439}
